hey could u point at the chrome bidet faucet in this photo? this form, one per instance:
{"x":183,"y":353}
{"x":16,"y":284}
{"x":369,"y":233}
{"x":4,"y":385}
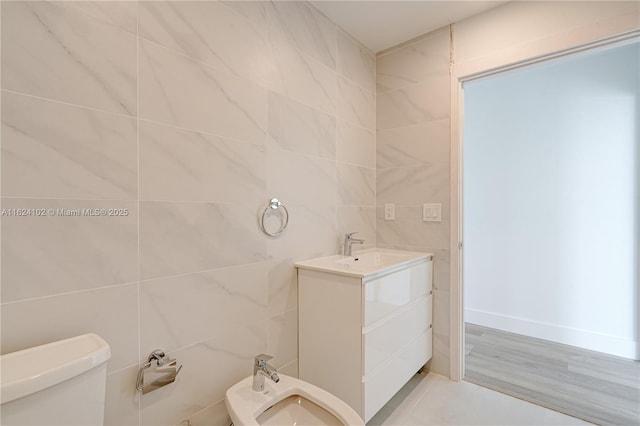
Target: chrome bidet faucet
{"x":348,"y":241}
{"x":262,"y":369}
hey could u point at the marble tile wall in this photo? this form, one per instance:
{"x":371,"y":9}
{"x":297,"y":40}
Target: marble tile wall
{"x":188,"y":116}
{"x":412,"y":162}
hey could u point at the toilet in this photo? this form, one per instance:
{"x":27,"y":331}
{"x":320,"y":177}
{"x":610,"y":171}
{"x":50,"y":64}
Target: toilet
{"x":60,"y":383}
{"x":289,"y":402}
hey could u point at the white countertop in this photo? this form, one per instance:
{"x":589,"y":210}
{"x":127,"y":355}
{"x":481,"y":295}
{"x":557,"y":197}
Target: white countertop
{"x":365,"y":263}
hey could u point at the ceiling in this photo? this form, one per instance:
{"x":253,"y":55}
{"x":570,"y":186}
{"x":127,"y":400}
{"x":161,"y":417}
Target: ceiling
{"x":383,"y":24}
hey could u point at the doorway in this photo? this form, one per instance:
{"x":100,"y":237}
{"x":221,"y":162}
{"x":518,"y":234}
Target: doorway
{"x":551,"y":233}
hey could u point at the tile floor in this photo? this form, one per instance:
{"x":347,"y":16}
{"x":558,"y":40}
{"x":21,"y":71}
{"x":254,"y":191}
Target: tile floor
{"x":431,"y":399}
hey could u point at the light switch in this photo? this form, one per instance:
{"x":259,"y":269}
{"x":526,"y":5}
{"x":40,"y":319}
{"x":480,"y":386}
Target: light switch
{"x":389,"y":212}
{"x":432,"y":212}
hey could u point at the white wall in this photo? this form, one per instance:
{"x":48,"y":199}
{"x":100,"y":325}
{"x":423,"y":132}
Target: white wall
{"x":551,"y":201}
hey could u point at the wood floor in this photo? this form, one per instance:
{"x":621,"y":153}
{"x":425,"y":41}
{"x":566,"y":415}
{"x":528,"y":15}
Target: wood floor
{"x":595,"y":387}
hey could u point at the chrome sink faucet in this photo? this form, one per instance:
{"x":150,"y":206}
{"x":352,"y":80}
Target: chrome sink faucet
{"x":262,"y":369}
{"x":348,"y":241}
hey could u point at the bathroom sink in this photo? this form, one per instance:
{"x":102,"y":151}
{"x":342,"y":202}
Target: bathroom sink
{"x":366,"y":263}
{"x":371,"y":259}
{"x":297,"y":410}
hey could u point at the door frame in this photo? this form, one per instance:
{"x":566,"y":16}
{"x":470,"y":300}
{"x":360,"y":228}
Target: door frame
{"x":461,"y":74}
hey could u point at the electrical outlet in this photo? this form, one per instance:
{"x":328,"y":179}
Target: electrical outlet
{"x":432,"y":212}
{"x":389,"y":212}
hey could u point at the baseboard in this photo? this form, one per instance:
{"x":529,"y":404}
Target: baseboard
{"x":569,"y":336}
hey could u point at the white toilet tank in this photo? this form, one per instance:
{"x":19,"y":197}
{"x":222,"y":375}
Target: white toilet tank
{"x":60,"y":383}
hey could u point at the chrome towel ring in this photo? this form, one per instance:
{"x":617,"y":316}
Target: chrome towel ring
{"x":275,"y":204}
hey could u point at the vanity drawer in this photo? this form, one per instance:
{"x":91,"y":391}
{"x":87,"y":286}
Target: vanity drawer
{"x":387,"y":380}
{"x":386,"y":294}
{"x":391,"y":334}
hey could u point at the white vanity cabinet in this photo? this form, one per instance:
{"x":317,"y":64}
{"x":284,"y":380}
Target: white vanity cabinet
{"x":364,"y":332}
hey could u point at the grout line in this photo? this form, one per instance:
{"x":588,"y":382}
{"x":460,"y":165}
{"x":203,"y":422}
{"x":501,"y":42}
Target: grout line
{"x":134,"y":117}
{"x":86,"y":290}
{"x":337,"y":150}
{"x":223,"y":268}
{"x":246,"y":18}
{"x":68,"y":103}
{"x":1,"y":127}
{"x":60,"y":4}
{"x":420,"y":123}
{"x":427,"y":79}
{"x":201,"y":132}
{"x":407,"y":43}
{"x":139,"y":287}
{"x":227,"y":71}
{"x":212,"y":337}
{"x":200,"y":202}
{"x":120,"y":370}
{"x":375,"y":149}
{"x":13,"y":197}
{"x":203,"y":410}
{"x":263,"y":84}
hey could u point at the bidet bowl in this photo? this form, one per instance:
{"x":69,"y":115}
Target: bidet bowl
{"x":290,"y":401}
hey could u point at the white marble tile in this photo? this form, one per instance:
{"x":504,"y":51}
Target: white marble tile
{"x":283,"y":286}
{"x":356,"y":145}
{"x":296,"y":127}
{"x":55,"y":150}
{"x":282,"y":338}
{"x":110,"y":312}
{"x":123,"y":14}
{"x":441,"y":272}
{"x":177,"y":238}
{"x":218,"y":298}
{"x":210,"y":368}
{"x":300,"y":179}
{"x":59,"y":53}
{"x":180,"y":91}
{"x":445,"y":402}
{"x":356,"y":62}
{"x":210,"y":32}
{"x":425,"y":101}
{"x":214,"y":415}
{"x":441,"y":304}
{"x":255,"y":11}
{"x":52,"y":254}
{"x":300,"y":77}
{"x":356,"y":105}
{"x":413,"y":185}
{"x":180,"y":165}
{"x":302,"y":26}
{"x":415,"y":62}
{"x":311,"y":233}
{"x":409,"y":229}
{"x":440,"y":362}
{"x":356,"y":185}
{"x":290,"y":369}
{"x":122,"y":401}
{"x":414,"y":145}
{"x":361,"y":220}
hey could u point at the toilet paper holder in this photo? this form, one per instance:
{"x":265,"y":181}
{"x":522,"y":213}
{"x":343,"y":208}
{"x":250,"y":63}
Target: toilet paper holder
{"x":156,"y":376}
